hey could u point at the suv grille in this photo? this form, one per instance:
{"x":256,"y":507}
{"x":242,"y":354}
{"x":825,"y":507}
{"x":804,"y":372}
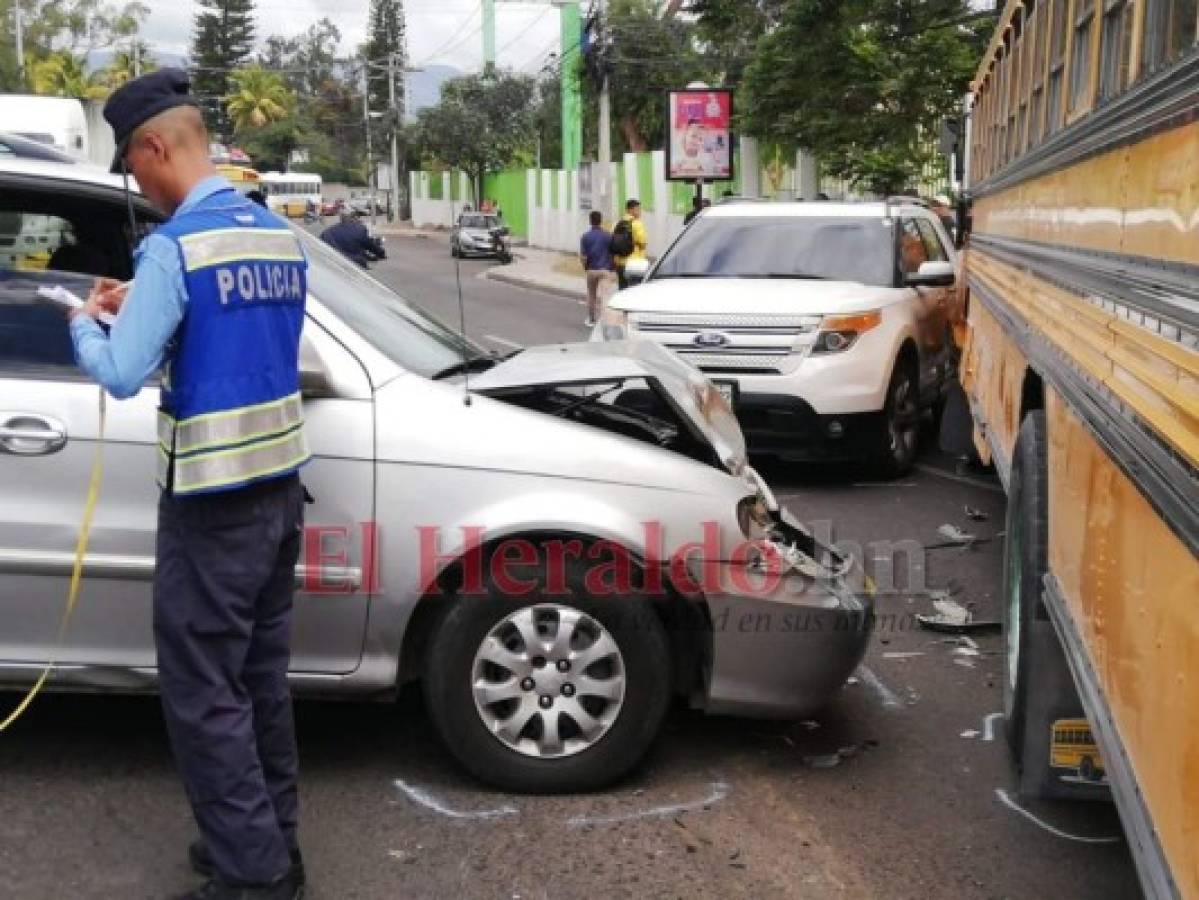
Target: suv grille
{"x":737,"y":344}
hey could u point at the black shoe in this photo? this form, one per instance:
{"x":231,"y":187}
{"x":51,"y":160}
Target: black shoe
{"x":201,"y":862}
{"x":285,"y":888}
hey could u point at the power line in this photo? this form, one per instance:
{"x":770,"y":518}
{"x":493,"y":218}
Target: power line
{"x":526,"y":30}
{"x":453,"y":38}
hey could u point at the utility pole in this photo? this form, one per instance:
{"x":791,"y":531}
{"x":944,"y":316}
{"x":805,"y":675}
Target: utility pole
{"x":137,"y":57}
{"x":603,"y":189}
{"x":572,"y":120}
{"x":20,"y":43}
{"x":366,"y":116}
{"x":488,"y":36}
{"x":394,"y":174}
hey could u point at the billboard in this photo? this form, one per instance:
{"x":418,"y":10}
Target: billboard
{"x":699,"y":143}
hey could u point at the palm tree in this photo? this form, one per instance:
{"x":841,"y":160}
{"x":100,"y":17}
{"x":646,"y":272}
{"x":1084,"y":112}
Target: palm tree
{"x":259,"y":98}
{"x":63,"y":75}
{"x":127,"y":64}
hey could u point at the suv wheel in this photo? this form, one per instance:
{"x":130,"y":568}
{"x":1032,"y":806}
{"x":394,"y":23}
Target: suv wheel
{"x":901,"y":422}
{"x":549,"y":694}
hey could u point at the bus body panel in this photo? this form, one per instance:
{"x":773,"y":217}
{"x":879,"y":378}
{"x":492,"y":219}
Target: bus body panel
{"x":1132,"y":590}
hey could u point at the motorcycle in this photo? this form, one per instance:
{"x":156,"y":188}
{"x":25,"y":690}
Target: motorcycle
{"x":501,"y":245}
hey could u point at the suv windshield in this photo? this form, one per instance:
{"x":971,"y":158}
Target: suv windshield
{"x":401,"y":330}
{"x":836,"y":248}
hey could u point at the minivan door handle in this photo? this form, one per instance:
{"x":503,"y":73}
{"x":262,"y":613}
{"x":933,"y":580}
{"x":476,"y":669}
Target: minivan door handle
{"x":24,"y":434}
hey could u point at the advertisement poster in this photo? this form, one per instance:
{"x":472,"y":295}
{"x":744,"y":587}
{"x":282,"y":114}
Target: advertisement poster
{"x":700,"y":142}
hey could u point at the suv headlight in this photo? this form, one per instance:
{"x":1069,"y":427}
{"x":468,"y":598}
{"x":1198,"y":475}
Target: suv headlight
{"x":614,"y":324}
{"x":839,"y":333}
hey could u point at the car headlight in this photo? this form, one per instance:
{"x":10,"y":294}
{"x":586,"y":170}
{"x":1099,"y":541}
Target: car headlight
{"x":614,"y":324}
{"x":839,"y":333}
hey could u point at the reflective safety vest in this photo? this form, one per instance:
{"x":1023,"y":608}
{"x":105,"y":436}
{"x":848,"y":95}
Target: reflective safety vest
{"x":231,"y":411}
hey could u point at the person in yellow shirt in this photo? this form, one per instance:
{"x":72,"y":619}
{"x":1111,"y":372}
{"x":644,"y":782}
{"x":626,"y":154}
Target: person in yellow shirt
{"x":640,"y":240}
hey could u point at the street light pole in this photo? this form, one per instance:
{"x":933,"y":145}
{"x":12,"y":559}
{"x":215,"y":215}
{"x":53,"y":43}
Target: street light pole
{"x":20,"y":42}
{"x":366,"y":116}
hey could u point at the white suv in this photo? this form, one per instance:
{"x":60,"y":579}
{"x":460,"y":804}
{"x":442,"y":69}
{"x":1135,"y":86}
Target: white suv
{"x":824,"y":324}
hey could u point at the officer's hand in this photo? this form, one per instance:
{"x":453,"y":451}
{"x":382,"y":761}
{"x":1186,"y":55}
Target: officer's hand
{"x":108,"y":294}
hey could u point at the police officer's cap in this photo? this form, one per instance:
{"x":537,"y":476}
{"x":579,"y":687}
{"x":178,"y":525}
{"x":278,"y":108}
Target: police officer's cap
{"x":141,"y":99}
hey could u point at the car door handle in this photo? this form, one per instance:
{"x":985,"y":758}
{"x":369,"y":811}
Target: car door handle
{"x":23,"y":434}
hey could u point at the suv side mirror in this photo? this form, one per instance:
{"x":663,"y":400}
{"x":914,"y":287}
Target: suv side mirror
{"x":931,"y":274}
{"x":635,"y":271}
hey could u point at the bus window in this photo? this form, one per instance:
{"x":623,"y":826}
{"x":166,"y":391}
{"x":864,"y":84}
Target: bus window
{"x":1115,"y":51}
{"x":1169,"y":30}
{"x":1057,"y":63}
{"x":1080,"y":55}
{"x":1035,"y":103}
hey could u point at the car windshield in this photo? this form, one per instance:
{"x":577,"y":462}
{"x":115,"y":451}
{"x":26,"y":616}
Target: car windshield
{"x":479,"y":222}
{"x":834,"y":248}
{"x":399,"y":329}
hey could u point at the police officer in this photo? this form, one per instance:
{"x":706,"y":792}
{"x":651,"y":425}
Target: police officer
{"x":352,"y":239}
{"x":218,"y":302}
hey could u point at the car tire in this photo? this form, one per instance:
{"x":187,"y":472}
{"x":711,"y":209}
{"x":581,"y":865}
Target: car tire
{"x":1025,"y":560}
{"x":900,"y":438}
{"x":478,"y":705}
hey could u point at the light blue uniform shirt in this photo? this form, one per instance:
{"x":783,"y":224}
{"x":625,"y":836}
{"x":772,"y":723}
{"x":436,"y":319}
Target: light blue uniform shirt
{"x":133,"y":349}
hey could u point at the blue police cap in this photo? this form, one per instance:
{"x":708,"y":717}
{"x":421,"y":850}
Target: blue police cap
{"x":141,"y":99}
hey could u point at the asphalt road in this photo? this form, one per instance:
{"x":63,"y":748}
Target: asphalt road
{"x":896,"y":790}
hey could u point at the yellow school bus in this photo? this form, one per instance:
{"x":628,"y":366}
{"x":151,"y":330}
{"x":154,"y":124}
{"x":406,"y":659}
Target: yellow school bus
{"x":1080,"y":368}
{"x":1072,"y":747}
{"x":242,"y":177}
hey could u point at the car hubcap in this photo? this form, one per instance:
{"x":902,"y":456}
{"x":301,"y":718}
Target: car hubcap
{"x":548,"y":681}
{"x":905,"y":419}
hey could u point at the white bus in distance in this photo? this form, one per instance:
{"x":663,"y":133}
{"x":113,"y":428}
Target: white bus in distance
{"x":289,"y":193}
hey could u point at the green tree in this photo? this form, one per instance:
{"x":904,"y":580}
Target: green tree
{"x":64,"y":75}
{"x":385,"y":39}
{"x":61,"y":26}
{"x":222,"y":41}
{"x":127,"y":64}
{"x":481,"y":124}
{"x":258,"y":98}
{"x":647,"y":54}
{"x":871,"y":85}
{"x":729,"y":31}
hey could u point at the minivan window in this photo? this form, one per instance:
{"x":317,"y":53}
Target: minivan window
{"x":402,"y":331}
{"x":834,"y":248}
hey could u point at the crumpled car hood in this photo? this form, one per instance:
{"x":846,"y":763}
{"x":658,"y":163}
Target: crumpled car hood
{"x":694,"y":397}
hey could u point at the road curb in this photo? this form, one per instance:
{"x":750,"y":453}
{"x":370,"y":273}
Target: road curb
{"x":498,"y":274}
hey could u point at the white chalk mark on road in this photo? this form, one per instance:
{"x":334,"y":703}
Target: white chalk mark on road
{"x":989,"y":726}
{"x":1011,"y":804}
{"x":719,"y":791}
{"x":507,"y":343}
{"x":885,"y":694}
{"x":427,"y":800}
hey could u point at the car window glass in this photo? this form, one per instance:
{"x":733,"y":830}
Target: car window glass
{"x":932,"y":243}
{"x":912,"y":252}
{"x":51,"y":239}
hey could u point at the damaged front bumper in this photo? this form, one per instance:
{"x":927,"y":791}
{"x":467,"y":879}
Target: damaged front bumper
{"x":783,"y":645}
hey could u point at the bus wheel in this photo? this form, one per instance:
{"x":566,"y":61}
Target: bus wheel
{"x":1024,"y":564}
{"x":1038,"y":688}
{"x":1086,"y":769}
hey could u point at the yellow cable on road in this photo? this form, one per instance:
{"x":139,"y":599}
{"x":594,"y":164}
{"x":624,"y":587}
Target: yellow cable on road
{"x":89,"y":508}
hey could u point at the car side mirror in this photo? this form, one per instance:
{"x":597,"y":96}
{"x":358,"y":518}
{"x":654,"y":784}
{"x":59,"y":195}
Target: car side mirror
{"x":931,"y":274}
{"x":635,"y":271}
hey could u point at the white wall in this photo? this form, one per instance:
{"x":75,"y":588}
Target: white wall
{"x":428,"y":213}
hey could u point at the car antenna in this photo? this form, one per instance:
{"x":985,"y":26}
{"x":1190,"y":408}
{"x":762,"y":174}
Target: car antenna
{"x":461,"y":308}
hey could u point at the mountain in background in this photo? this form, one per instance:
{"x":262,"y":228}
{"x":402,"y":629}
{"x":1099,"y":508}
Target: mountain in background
{"x":98,"y":59}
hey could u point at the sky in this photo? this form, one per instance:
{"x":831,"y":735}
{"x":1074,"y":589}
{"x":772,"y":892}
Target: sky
{"x":446,"y":32}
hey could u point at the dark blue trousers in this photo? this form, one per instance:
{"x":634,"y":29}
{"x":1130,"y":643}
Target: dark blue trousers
{"x":223,"y":587}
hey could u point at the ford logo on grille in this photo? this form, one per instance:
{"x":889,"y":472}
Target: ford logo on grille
{"x":712,"y":339}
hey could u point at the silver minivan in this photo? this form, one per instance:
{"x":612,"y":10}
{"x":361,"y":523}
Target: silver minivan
{"x":557,"y":544}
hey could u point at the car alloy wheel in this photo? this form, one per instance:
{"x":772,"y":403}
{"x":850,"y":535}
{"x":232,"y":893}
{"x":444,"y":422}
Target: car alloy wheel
{"x":548,"y":681}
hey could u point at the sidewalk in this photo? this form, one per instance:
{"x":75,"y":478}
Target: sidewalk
{"x":543,"y":270}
